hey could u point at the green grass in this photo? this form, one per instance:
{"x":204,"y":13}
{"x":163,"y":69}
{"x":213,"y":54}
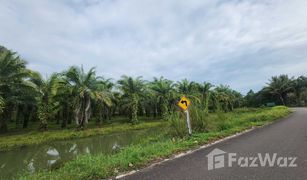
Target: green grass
{"x":9,"y":142}
{"x":160,"y":146}
{"x":14,"y":129}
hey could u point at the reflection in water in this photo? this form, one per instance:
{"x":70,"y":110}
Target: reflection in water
{"x":49,"y":156}
{"x":115,"y":146}
{"x":52,"y":152}
{"x":31,"y":166}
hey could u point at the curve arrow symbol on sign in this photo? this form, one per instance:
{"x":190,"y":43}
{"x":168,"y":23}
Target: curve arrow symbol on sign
{"x":184,"y":102}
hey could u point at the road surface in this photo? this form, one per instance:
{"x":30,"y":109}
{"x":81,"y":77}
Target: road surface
{"x":287,"y":138}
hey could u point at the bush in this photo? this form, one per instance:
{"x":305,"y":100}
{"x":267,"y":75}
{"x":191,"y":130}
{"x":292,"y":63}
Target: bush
{"x":177,"y":124}
{"x":221,"y":121}
{"x":245,"y":110}
{"x":199,"y":119}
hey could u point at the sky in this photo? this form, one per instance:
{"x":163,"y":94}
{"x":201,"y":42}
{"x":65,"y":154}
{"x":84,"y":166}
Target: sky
{"x":240,"y":43}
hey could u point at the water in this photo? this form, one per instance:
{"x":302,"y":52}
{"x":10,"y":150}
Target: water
{"x":51,"y":155}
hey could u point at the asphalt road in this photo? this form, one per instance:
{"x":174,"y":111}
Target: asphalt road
{"x":287,"y":138}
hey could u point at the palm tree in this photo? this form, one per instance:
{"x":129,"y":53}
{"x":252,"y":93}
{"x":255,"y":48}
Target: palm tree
{"x":204,"y":91}
{"x":132,"y":90}
{"x":186,"y":87}
{"x":303,"y":97}
{"x":189,"y":89}
{"x":163,"y":91}
{"x":224,"y":98}
{"x":280,"y":86}
{"x":85,"y":88}
{"x":13,"y":73}
{"x":104,"y":108}
{"x":299,"y":86}
{"x":46,"y":90}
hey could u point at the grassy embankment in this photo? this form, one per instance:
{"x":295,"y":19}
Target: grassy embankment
{"x":12,"y":141}
{"x":160,"y":146}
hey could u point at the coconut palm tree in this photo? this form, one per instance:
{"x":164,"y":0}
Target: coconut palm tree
{"x":280,"y":86}
{"x":85,"y":89}
{"x":132,"y":90}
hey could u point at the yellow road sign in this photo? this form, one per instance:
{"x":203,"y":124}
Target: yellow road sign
{"x":184,"y":103}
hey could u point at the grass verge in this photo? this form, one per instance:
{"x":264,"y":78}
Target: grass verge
{"x":14,"y":141}
{"x":160,"y":146}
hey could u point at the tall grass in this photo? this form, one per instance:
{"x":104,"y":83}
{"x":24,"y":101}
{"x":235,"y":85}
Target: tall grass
{"x":177,"y":123}
{"x":200,"y":119}
{"x":220,"y":121}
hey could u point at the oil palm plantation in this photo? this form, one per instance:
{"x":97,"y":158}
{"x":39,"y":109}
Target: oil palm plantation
{"x":62,"y":100}
{"x":85,"y":89}
{"x":205,"y":92}
{"x":46,"y":90}
{"x":223,"y":98}
{"x":189,"y":89}
{"x":280,"y":86}
{"x":163,"y":91}
{"x":133,"y":91}
{"x":13,"y":74}
{"x":103,"y":107}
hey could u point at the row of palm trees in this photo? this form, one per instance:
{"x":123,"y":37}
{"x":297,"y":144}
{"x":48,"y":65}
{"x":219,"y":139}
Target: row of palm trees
{"x":82,"y":96}
{"x":281,"y":90}
{"x":79,"y":95}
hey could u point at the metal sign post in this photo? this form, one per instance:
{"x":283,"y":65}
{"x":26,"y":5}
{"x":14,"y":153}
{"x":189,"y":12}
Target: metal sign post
{"x":188,"y":122}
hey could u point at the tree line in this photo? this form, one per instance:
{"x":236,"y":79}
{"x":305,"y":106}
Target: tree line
{"x":280,"y":90}
{"x":79,"y":96}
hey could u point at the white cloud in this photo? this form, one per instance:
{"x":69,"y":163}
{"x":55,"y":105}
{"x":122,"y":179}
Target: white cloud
{"x":240,"y":43}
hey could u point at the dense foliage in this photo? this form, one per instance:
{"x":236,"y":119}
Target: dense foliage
{"x":80,"y":96}
{"x":281,"y":90}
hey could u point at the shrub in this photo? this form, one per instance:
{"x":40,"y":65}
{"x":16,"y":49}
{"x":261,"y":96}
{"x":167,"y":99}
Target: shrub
{"x":177,"y":124}
{"x":199,"y":119}
{"x":221,"y":121}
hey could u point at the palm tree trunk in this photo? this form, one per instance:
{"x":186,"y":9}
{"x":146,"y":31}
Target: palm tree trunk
{"x":164,"y":109}
{"x":3,"y":125}
{"x":282,"y":99}
{"x":82,"y":114}
{"x":77,"y":115}
{"x":65,"y":117}
{"x":207,"y":102}
{"x":87,"y":114}
{"x":134,"y":112}
{"x":17,"y":117}
{"x":28,"y":110}
{"x":58,"y":117}
{"x":100,"y":117}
